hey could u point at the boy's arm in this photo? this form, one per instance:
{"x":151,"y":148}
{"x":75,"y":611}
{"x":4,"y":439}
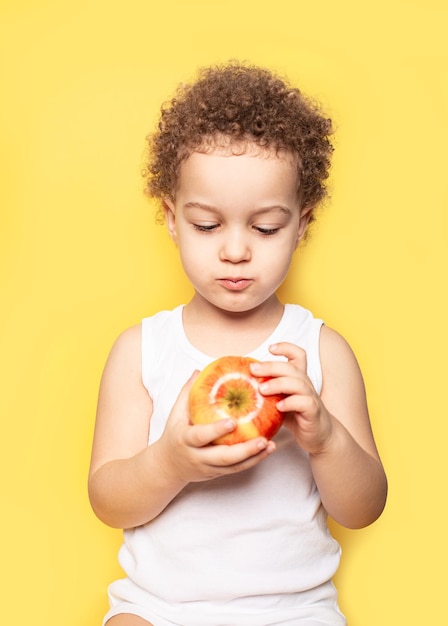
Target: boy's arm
{"x":122,"y":490}
{"x":130,"y":483}
{"x":334,"y":428}
{"x":348,"y":471}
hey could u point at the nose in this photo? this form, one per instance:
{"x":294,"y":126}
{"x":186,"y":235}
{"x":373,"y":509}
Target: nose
{"x":235,"y":247}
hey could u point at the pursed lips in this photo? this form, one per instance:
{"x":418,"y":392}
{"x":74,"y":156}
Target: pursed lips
{"x":235,"y":284}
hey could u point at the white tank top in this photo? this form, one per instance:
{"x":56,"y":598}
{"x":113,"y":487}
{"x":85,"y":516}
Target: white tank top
{"x":234,"y":549}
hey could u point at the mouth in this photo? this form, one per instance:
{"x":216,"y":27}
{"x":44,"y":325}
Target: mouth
{"x":235,"y":284}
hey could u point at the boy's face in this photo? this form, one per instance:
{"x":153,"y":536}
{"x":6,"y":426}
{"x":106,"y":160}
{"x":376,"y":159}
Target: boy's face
{"x":237,"y":221}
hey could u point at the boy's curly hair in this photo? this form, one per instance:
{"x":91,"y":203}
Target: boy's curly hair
{"x":236,"y":104}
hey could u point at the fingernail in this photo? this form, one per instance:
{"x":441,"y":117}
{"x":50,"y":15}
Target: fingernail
{"x":230,"y":424}
{"x":255,"y":367}
{"x":263,"y":387}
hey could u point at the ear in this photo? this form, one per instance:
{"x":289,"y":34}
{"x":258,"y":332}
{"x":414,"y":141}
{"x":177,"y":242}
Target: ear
{"x":170,"y":217}
{"x":305,"y":216}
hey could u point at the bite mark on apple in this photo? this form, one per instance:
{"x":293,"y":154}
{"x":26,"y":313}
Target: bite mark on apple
{"x":236,"y":400}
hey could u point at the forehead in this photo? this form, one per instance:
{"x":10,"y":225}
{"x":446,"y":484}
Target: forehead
{"x":252,"y":177}
{"x":247,"y":156}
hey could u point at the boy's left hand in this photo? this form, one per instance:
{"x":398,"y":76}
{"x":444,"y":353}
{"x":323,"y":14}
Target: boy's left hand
{"x":307,"y":418}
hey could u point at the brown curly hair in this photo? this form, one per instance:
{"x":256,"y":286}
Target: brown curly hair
{"x":233,"y":105}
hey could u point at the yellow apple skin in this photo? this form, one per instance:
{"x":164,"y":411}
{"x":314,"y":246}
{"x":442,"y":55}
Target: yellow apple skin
{"x":226,"y":389}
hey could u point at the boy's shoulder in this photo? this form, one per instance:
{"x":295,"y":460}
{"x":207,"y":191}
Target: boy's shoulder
{"x":127,"y":345}
{"x":132,"y":335}
{"x":331,"y":340}
{"x":337,"y":356}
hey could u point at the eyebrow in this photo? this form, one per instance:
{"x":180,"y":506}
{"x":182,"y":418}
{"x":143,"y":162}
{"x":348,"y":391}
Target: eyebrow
{"x":275,"y":207}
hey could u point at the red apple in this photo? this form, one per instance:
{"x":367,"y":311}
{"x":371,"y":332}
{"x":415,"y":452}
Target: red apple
{"x":227,"y":389}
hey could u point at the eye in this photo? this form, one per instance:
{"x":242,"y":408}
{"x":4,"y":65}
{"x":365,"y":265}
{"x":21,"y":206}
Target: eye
{"x":205,"y":228}
{"x":266,"y":231}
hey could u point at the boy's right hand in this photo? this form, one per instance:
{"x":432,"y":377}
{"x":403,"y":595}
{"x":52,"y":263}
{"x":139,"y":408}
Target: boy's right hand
{"x":186,"y":451}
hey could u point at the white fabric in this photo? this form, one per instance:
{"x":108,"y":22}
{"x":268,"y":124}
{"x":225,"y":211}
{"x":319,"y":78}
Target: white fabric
{"x":251,"y":549}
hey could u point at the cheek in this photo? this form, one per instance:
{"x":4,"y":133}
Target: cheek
{"x":284,"y":248}
{"x":278,"y":261}
{"x":195,"y":259}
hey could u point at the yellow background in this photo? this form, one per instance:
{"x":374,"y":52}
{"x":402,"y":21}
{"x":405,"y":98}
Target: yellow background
{"x":81,"y":259}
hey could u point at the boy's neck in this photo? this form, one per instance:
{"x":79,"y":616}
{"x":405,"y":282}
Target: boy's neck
{"x":217,"y":332}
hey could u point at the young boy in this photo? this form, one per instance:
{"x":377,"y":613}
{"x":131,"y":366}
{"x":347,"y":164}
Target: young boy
{"x":233,"y":535}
